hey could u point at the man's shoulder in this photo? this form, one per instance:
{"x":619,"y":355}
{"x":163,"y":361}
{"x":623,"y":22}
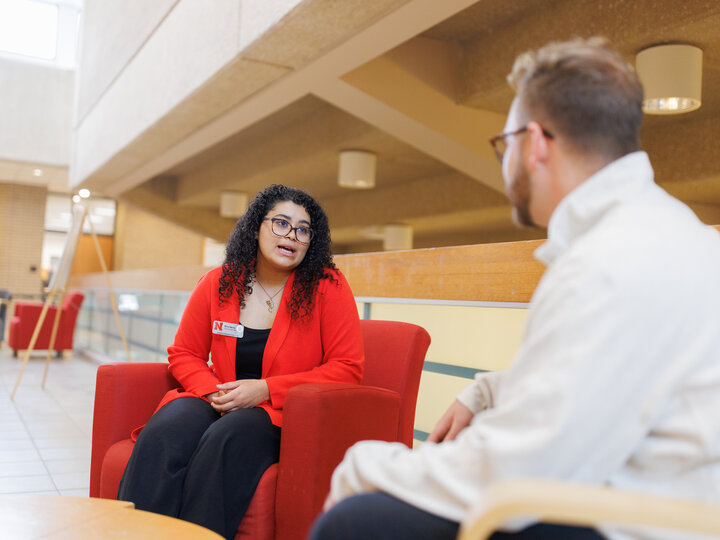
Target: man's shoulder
{"x":642,"y":244}
{"x":655,"y":226}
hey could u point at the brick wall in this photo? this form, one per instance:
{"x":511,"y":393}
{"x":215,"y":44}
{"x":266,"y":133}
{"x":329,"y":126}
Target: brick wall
{"x":22,"y":221}
{"x":143,"y":240}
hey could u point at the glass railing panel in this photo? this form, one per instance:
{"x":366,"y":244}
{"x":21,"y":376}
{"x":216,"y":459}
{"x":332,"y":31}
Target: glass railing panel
{"x":149,"y":320}
{"x":167,"y":335}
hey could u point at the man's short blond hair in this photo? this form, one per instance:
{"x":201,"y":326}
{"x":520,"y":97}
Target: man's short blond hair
{"x":584,"y":91}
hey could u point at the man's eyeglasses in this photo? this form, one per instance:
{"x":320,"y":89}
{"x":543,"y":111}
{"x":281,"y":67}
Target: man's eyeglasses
{"x":282,"y":228}
{"x":499,"y":142}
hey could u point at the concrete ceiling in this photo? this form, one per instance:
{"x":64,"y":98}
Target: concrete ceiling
{"x":51,"y":176}
{"x":424,"y":88}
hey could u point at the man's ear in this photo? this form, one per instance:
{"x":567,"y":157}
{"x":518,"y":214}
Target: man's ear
{"x":537,"y":145}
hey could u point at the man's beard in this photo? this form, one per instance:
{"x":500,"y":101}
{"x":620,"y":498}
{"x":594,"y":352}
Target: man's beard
{"x":519,"y":194}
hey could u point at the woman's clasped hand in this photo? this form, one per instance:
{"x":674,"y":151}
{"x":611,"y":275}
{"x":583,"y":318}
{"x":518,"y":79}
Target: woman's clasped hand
{"x":239,"y":395}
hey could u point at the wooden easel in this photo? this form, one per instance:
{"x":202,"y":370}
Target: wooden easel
{"x":57,"y":289}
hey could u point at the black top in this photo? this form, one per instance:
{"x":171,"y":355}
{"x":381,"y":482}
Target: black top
{"x":249,"y":353}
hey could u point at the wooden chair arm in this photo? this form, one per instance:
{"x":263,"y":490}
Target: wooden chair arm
{"x":584,"y":506}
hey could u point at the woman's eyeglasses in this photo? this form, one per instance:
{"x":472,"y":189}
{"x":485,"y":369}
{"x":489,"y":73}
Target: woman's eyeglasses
{"x":282,"y":228}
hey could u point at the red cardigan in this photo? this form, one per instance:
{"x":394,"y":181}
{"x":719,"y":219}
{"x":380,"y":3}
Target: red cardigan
{"x":326,"y":348}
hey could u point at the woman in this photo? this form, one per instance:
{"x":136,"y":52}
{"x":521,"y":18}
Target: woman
{"x":276,"y":314}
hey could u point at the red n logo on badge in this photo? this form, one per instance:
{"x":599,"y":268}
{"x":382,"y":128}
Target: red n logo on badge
{"x":218,"y":326}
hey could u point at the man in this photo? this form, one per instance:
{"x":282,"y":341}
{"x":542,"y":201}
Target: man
{"x":617,"y":381}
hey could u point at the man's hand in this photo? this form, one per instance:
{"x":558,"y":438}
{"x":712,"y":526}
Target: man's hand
{"x":241,"y":394}
{"x":455,"y":419}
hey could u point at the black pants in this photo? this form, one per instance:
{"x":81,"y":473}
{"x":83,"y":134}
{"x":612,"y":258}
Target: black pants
{"x":191,"y":463}
{"x":381,"y":517}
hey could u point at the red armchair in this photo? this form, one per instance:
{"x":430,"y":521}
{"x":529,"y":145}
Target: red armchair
{"x":23,"y":323}
{"x":320,"y":422}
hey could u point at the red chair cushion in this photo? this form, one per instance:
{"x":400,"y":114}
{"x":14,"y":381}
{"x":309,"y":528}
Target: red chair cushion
{"x":113,"y":467}
{"x":259,"y":520}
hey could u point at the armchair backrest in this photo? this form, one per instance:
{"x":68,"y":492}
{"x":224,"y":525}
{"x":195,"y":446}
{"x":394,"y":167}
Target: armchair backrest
{"x":394,"y":356}
{"x":70,"y":309}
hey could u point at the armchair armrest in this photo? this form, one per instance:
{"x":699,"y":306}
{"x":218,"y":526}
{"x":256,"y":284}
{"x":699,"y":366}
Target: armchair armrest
{"x":584,"y":506}
{"x":126,"y":395}
{"x":320,"y":422}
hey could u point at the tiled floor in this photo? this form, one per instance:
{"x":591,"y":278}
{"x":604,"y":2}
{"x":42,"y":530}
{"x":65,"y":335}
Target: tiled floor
{"x":45,"y":434}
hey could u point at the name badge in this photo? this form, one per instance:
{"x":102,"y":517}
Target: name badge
{"x":228,"y":329}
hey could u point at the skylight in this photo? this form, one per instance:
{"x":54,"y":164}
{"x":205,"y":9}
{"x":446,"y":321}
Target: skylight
{"x":29,"y":28}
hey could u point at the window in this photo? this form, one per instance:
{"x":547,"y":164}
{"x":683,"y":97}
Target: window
{"x":40,"y":31}
{"x":29,"y":28}
{"x":58,"y":219}
{"x":58,"y":214}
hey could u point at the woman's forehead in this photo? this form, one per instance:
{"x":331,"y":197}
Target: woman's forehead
{"x":291,"y":210}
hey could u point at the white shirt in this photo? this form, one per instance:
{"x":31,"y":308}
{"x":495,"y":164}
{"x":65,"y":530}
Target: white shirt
{"x":617,"y":381}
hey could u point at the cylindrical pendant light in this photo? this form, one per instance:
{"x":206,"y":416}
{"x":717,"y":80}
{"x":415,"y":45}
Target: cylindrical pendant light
{"x":672,"y":78}
{"x":357,"y":169}
{"x":397,"y":237}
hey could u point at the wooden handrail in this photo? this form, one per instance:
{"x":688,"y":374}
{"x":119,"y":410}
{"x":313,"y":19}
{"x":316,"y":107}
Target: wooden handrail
{"x":502,"y":272}
{"x":488,"y":272}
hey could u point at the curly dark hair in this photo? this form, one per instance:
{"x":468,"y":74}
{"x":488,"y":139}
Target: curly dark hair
{"x":238,"y":270}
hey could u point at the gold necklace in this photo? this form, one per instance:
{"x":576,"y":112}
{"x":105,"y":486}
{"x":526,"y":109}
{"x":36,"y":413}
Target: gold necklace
{"x":269,"y":302}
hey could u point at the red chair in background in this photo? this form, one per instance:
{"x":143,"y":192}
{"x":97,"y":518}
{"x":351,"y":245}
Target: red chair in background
{"x":320,"y":422}
{"x":26,"y":317}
